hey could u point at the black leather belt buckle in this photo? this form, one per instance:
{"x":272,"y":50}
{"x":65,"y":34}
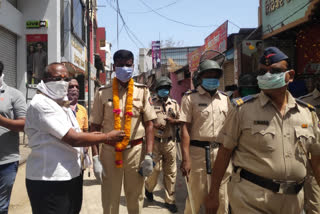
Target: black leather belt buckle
{"x":291,"y":188}
{"x":282,"y":187}
{"x":215,"y":145}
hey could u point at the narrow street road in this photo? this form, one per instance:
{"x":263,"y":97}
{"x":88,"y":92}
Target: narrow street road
{"x":92,"y":196}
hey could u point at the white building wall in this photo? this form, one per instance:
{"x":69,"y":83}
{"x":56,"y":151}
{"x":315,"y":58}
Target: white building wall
{"x":37,"y":10}
{"x":145,"y":61}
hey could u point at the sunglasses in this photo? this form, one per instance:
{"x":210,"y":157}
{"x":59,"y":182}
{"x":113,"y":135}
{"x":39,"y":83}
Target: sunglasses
{"x":271,"y":70}
{"x":67,"y":79}
{"x":73,"y":86}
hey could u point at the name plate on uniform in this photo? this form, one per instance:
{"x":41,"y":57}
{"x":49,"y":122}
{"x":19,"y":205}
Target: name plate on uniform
{"x":157,"y":107}
{"x":203,"y":104}
{"x":261,"y":122}
{"x":136,"y":99}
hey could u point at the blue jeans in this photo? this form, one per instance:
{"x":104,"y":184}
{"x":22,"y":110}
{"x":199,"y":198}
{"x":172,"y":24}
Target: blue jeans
{"x":7,"y":176}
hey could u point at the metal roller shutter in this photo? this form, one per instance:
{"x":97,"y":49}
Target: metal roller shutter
{"x":8,"y":56}
{"x":228,"y":71}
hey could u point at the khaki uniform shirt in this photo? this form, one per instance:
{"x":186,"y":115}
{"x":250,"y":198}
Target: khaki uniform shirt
{"x":313,"y":98}
{"x":169,"y":108}
{"x":102,"y":110}
{"x":205,"y":114}
{"x":269,"y":145}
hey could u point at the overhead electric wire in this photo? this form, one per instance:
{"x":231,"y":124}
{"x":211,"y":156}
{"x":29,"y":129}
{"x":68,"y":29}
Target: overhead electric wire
{"x":173,"y":20}
{"x":234,"y":24}
{"x":126,"y":27}
{"x":149,"y":11}
{"x":119,"y":33}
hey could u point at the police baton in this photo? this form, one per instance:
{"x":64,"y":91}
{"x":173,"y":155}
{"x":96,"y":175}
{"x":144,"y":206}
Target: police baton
{"x":208,"y":166}
{"x":186,"y":180}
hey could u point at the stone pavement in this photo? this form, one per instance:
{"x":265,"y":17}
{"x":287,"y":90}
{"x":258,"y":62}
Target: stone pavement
{"x":92,"y":199}
{"x":92,"y":192}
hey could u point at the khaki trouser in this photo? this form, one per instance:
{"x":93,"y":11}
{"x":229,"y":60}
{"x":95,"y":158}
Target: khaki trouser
{"x":164,"y":153}
{"x":133,"y":182}
{"x":312,"y":196}
{"x":198,"y":181}
{"x":249,"y":198}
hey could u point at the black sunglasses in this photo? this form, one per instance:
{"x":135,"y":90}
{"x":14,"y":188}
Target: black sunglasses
{"x":271,"y":70}
{"x":73,"y":86}
{"x":67,"y":79}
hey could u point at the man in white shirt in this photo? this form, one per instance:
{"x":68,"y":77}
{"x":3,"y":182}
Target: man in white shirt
{"x":53,"y":167}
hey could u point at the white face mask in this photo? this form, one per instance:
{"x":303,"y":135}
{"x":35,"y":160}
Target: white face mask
{"x":57,"y":90}
{"x":1,"y":80}
{"x":272,"y":81}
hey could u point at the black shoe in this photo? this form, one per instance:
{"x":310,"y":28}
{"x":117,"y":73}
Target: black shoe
{"x":171,"y":207}
{"x":149,"y":195}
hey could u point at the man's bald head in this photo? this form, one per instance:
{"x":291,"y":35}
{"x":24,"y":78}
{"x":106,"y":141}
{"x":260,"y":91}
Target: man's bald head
{"x":54,"y":71}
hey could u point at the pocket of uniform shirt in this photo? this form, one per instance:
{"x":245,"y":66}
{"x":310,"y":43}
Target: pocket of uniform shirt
{"x":204,"y":113}
{"x":305,"y":135}
{"x":109,"y":104}
{"x":264,"y":135}
{"x":136,"y":108}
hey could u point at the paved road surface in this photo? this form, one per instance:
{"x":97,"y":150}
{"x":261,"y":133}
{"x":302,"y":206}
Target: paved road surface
{"x":92,"y":199}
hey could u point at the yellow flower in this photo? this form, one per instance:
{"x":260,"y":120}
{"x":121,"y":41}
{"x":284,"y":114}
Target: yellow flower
{"x":120,"y":146}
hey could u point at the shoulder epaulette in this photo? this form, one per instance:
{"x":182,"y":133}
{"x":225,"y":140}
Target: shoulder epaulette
{"x":224,"y":93}
{"x":139,"y":84}
{"x":105,"y":87}
{"x":239,"y":101}
{"x":311,"y":107}
{"x":190,"y":92}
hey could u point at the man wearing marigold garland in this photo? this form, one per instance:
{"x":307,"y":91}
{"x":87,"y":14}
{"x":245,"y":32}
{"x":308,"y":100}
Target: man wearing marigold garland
{"x":124,"y":106}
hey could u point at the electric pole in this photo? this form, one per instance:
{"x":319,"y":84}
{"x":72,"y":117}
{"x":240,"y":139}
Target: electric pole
{"x":88,"y":55}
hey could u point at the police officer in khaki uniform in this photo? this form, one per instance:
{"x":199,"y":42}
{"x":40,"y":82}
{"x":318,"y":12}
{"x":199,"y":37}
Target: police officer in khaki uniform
{"x":269,"y":138}
{"x":134,"y":156}
{"x":203,"y":112}
{"x":164,"y":151}
{"x":311,"y":189}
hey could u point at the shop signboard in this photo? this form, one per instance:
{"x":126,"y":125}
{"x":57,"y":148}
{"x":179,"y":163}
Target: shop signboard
{"x":194,"y":59}
{"x":218,"y":39}
{"x":280,"y":15}
{"x":78,"y":54}
{"x":156,"y":54}
{"x":37,"y":24}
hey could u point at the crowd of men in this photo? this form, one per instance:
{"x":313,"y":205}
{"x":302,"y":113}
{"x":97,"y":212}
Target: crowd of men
{"x":259,"y":153}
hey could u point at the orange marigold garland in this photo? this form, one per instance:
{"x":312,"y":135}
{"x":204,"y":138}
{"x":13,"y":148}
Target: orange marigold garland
{"x":120,"y":146}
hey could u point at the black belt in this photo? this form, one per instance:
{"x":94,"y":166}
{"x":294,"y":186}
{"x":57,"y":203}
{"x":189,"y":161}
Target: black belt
{"x":204,"y":144}
{"x":162,"y":140}
{"x":283,"y":187}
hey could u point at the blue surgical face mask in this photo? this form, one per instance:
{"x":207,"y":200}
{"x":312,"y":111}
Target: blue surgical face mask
{"x":272,"y":81}
{"x":210,"y":84}
{"x":163,"y":92}
{"x":124,"y":74}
